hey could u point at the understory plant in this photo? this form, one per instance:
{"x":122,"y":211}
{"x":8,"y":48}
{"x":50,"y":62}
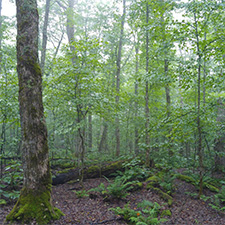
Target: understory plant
{"x":164,"y":180}
{"x":81,"y":193}
{"x":118,"y":189}
{"x":10,"y":182}
{"x":147,"y":214}
{"x":219,"y":200}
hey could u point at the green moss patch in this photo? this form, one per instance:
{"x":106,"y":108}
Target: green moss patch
{"x":162,"y":194}
{"x":34,"y":206}
{"x":186,"y":178}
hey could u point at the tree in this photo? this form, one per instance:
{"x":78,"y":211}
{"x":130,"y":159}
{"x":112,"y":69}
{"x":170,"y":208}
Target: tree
{"x":118,"y":70}
{"x":45,"y":37}
{"x":147,"y":138}
{"x":34,"y":202}
{"x":0,"y":33}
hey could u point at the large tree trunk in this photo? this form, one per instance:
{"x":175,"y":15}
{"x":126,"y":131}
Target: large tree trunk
{"x":35,"y":198}
{"x":107,"y":169}
{"x":0,"y":34}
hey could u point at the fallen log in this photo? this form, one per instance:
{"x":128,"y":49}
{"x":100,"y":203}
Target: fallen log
{"x":93,"y":171}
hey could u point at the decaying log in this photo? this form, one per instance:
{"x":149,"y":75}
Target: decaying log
{"x":93,"y":171}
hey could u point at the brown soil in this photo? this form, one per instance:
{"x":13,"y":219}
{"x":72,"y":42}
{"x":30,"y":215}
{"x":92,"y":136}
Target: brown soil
{"x":86,"y":211}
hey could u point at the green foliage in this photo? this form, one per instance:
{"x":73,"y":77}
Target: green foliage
{"x":101,"y":189}
{"x":13,"y":174}
{"x":219,"y":200}
{"x":165,"y":180}
{"x":10,"y":182}
{"x":147,"y":214}
{"x":117,"y":189}
{"x":134,"y":171}
{"x":81,"y":193}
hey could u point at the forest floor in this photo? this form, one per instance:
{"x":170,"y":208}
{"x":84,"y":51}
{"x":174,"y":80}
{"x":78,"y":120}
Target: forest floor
{"x":92,"y":211}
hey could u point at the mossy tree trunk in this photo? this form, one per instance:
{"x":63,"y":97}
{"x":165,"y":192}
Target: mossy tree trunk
{"x":35,"y":198}
{"x":0,"y":35}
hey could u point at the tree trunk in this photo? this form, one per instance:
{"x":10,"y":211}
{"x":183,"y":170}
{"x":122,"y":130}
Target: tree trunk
{"x":103,"y":142}
{"x":199,"y":129}
{"x":147,"y":138}
{"x":70,"y":28}
{"x":107,"y":169}
{"x":220,"y":141}
{"x":45,"y":37}
{"x":34,"y":202}
{"x":90,"y":131}
{"x":118,"y":66}
{"x":0,"y":35}
{"x":136,"y":133}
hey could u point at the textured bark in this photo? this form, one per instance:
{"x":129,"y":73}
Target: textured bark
{"x":45,"y":37}
{"x":0,"y":35}
{"x":90,"y":131}
{"x":147,"y":138}
{"x":107,"y":169}
{"x":136,"y":133}
{"x":199,"y":141}
{"x":103,"y":145}
{"x":118,"y":70}
{"x":35,"y":198}
{"x":70,"y":29}
{"x":167,"y":89}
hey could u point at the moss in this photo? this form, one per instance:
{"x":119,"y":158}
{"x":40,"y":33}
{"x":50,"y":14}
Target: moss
{"x":64,"y":171}
{"x":93,"y":169}
{"x":162,"y":194}
{"x":211,"y":187}
{"x":34,"y":206}
{"x":114,"y":165}
{"x":186,"y":178}
{"x":152,"y":179}
{"x":166,"y":212}
{"x":136,"y":186}
{"x":37,"y":68}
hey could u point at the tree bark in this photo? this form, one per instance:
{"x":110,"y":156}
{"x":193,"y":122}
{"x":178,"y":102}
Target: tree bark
{"x":103,"y":142}
{"x":45,"y":36}
{"x":118,"y":66}
{"x":147,"y":138}
{"x":70,"y":28}
{"x":199,"y":129}
{"x":136,"y":133}
{"x":107,"y":169}
{"x":35,"y":198}
{"x":90,"y":131}
{"x":0,"y":35}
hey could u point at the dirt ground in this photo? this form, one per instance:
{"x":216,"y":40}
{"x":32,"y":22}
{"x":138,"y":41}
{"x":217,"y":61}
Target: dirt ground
{"x":90,"y":211}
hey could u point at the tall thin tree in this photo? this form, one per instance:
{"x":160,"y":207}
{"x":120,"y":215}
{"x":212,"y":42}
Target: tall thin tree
{"x":147,"y":138}
{"x":44,"y":35}
{"x":118,"y":71}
